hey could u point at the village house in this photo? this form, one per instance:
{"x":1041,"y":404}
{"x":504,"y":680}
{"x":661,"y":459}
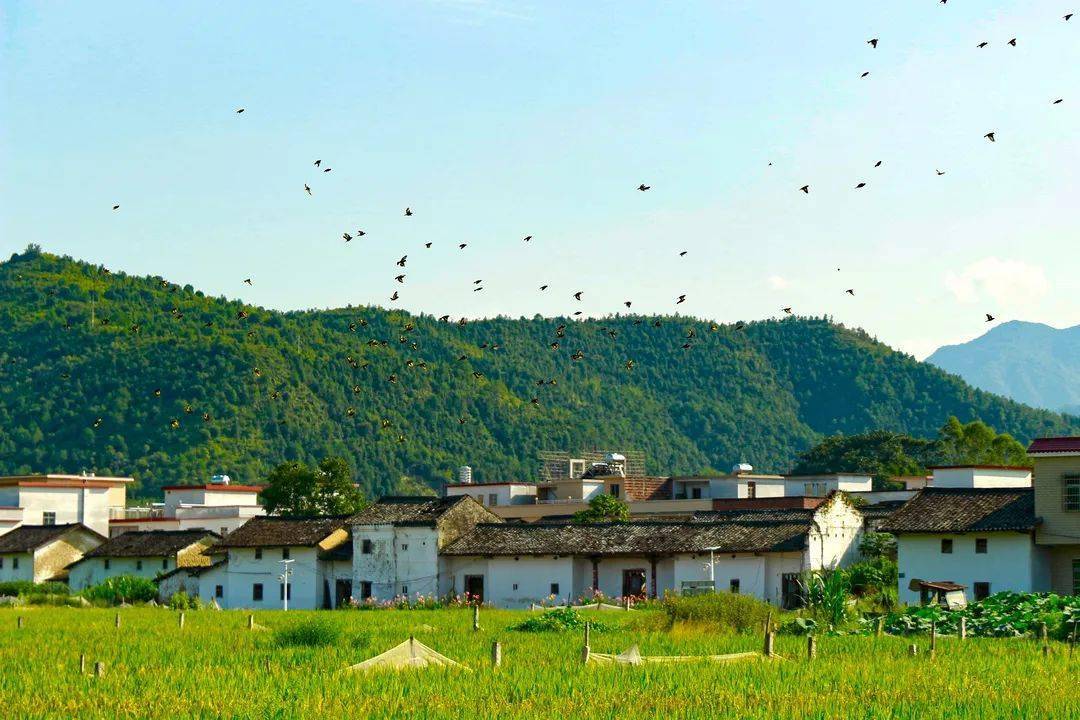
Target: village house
{"x":218,"y":506}
{"x":972,"y":530}
{"x":42,"y":553}
{"x":1057,"y":504}
{"x":50,"y":499}
{"x":758,"y":552}
{"x":397,"y":544}
{"x":257,"y":554}
{"x":144,"y":553}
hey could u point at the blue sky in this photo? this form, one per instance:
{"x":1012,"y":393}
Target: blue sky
{"x":496,"y":119}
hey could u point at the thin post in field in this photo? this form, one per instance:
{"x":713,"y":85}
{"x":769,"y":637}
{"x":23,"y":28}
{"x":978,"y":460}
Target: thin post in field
{"x":99,"y":669}
{"x":962,"y":631}
{"x":475,"y":618}
{"x":811,"y":647}
{"x":496,"y":654}
{"x":117,"y":621}
{"x":180,"y":620}
{"x":82,"y":663}
{"x":251,"y":622}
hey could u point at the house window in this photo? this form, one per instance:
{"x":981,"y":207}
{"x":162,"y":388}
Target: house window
{"x":284,"y":553}
{"x":946,"y":545}
{"x":258,"y":553}
{"x":733,"y":586}
{"x":981,"y":590}
{"x":365,"y":547}
{"x":107,"y":563}
{"x":555,"y":589}
{"x":515,"y":586}
{"x":365,"y":590}
{"x":282,"y":592}
{"x":1076,"y":577}
{"x":751,"y":489}
{"x":1,"y":563}
{"x":404,"y":546}
{"x":14,"y":563}
{"x":615,"y":488}
{"x":493,"y":499}
{"x":138,"y":564}
{"x":404,"y":589}
{"x":164,"y":563}
{"x":1070,"y":493}
{"x":980,"y":546}
{"x":219,"y":591}
{"x":256,"y":592}
{"x":48,"y":518}
{"x":695,"y":493}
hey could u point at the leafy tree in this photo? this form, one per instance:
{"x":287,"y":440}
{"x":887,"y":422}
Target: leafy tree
{"x":880,"y":453}
{"x":327,"y":489}
{"x":604,"y":508}
{"x":976,"y":443}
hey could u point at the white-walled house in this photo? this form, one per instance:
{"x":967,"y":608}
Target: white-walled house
{"x":743,"y":485}
{"x":826,"y":484}
{"x":397,"y":544}
{"x":218,"y":506}
{"x":980,"y":476}
{"x":145,"y":553}
{"x":981,"y":538}
{"x":41,"y":553}
{"x":320,"y":571}
{"x":758,"y":552}
{"x":495,"y":494}
{"x":54,"y":499}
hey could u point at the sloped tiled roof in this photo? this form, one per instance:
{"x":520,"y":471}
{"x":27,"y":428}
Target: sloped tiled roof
{"x":27,"y":538}
{"x":273,"y":531}
{"x":194,"y":570}
{"x":405,"y":509}
{"x":760,"y":534}
{"x":149,"y":543}
{"x":881,"y":510}
{"x":959,"y":510}
{"x":1054,"y":445}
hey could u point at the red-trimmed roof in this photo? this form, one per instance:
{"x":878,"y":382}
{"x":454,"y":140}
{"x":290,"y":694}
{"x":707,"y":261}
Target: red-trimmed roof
{"x":218,"y":488}
{"x":64,"y":484}
{"x":1054,"y":445}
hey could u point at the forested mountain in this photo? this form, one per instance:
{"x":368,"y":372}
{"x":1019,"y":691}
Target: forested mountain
{"x":100,"y":371}
{"x":1029,"y":362}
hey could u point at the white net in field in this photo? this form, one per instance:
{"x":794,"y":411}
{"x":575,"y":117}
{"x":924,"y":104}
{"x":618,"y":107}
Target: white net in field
{"x":410,"y":654}
{"x":633,"y":656}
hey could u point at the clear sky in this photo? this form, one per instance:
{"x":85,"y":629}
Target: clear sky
{"x":496,"y":119}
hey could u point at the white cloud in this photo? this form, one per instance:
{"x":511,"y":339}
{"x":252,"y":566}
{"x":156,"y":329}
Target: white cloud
{"x":1006,"y":282}
{"x":778,"y":283}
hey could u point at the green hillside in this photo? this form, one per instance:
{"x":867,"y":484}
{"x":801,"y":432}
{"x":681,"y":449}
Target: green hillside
{"x":84,"y":352}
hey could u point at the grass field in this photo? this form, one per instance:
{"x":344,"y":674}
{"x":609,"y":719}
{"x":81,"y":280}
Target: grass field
{"x":216,"y":667}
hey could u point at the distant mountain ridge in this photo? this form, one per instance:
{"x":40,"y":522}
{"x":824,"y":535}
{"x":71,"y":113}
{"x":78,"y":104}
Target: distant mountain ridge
{"x":1031,"y":363}
{"x":106,"y":372}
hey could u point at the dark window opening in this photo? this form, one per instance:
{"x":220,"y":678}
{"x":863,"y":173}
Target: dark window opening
{"x":365,"y":547}
{"x":980,"y":546}
{"x":981,"y":590}
{"x":256,"y":592}
{"x":946,"y":545}
{"x":219,"y":591}
{"x":555,"y":589}
{"x":734,"y":585}
{"x":365,"y":590}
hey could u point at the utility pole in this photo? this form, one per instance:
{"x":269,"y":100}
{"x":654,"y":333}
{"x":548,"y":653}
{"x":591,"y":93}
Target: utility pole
{"x":284,"y":578}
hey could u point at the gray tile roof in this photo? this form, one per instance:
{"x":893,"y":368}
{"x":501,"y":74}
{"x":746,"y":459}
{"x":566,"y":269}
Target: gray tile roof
{"x":765,"y":532}
{"x":149,"y":543}
{"x":273,"y":531}
{"x":406,"y":510}
{"x":27,"y":538}
{"x":960,"y":510}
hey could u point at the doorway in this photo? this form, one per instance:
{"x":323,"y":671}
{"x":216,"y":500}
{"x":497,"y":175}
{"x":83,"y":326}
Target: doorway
{"x":474,"y":587}
{"x":791,"y":594}
{"x":633,"y":583}
{"x":342,"y":592}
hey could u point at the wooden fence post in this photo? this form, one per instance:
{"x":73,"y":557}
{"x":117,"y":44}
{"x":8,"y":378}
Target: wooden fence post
{"x":626,"y":603}
{"x":913,"y":650}
{"x":476,"y":617}
{"x":496,"y":654}
{"x":180,"y":621}
{"x":881,"y":626}
{"x":585,"y":655}
{"x":767,"y":651}
{"x":811,"y":647}
{"x":1045,"y":640}
{"x":19,"y":622}
{"x":82,"y":663}
{"x":251,"y":622}
{"x":99,"y":669}
{"x":933,"y":636}
{"x":962,"y":631}
{"x":588,"y":628}
{"x":118,"y":620}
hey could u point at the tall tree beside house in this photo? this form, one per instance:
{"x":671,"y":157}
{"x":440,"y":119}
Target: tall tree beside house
{"x":604,"y":508}
{"x":326,"y":489}
{"x":976,"y":443}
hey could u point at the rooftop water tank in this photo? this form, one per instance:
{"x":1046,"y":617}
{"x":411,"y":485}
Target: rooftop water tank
{"x":740,"y":468}
{"x":220,"y":480}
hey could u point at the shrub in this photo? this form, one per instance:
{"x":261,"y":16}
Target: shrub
{"x":558,"y":620}
{"x":180,"y":600}
{"x":14,"y":588}
{"x":122,"y":588}
{"x":728,"y":610}
{"x":310,"y":633}
{"x":827,"y":596}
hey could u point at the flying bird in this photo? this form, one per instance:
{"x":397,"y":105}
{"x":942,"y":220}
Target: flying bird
{"x":307,"y":189}
{"x":805,"y":189}
{"x":982,"y":44}
{"x":989,"y":317}
{"x":877,"y":164}
{"x":682,"y":254}
{"x":577,"y":295}
{"x":527,"y":238}
{"x":865,"y":74}
{"x":872,"y":42}
{"x":318,"y":163}
{"x":408,"y":212}
{"x":990,"y":136}
{"x":1013,"y":42}
{"x":401,"y":262}
{"x":400,"y":278}
{"x":326,"y":170}
{"x":462,"y":246}
{"x":543,"y":287}
{"x":427,"y":245}
{"x":239,"y":110}
{"x":394,"y":296}
{"x":680,"y":300}
{"x":786,"y":310}
{"x":247,"y":281}
{"x":939,"y":172}
{"x":115,"y":207}
{"x":850,"y":291}
{"x":627,"y":303}
{"x":860,"y":185}
{"x":1068,"y":17}
{"x":1058,"y":101}
{"x":643,"y":187}
{"x":346,"y":236}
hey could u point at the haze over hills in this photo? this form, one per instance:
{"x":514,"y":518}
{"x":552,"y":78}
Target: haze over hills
{"x":105,"y":372}
{"x":1029,"y":362}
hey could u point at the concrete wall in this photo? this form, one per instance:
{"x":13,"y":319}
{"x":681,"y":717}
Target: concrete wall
{"x":748,"y":569}
{"x":1011,"y":562}
{"x":25,"y":571}
{"x":91,"y":571}
{"x":90,"y":506}
{"x":515,"y":582}
{"x":505,"y":493}
{"x":972,"y":477}
{"x":738,"y":486}
{"x":52,"y":558}
{"x":1059,"y":526}
{"x":1060,"y":572}
{"x":244,"y":570}
{"x":834,"y":537}
{"x":401,"y":560}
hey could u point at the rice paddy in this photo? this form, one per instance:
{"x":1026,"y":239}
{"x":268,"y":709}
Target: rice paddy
{"x":215,"y":666}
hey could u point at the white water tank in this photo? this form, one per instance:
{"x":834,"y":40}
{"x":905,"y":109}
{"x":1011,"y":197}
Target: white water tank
{"x":220,"y":480}
{"x":464,"y":475}
{"x":739,"y":468}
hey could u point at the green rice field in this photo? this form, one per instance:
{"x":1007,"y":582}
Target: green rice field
{"x":216,"y":667}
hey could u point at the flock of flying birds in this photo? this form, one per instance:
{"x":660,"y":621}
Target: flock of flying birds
{"x":560,"y":330}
